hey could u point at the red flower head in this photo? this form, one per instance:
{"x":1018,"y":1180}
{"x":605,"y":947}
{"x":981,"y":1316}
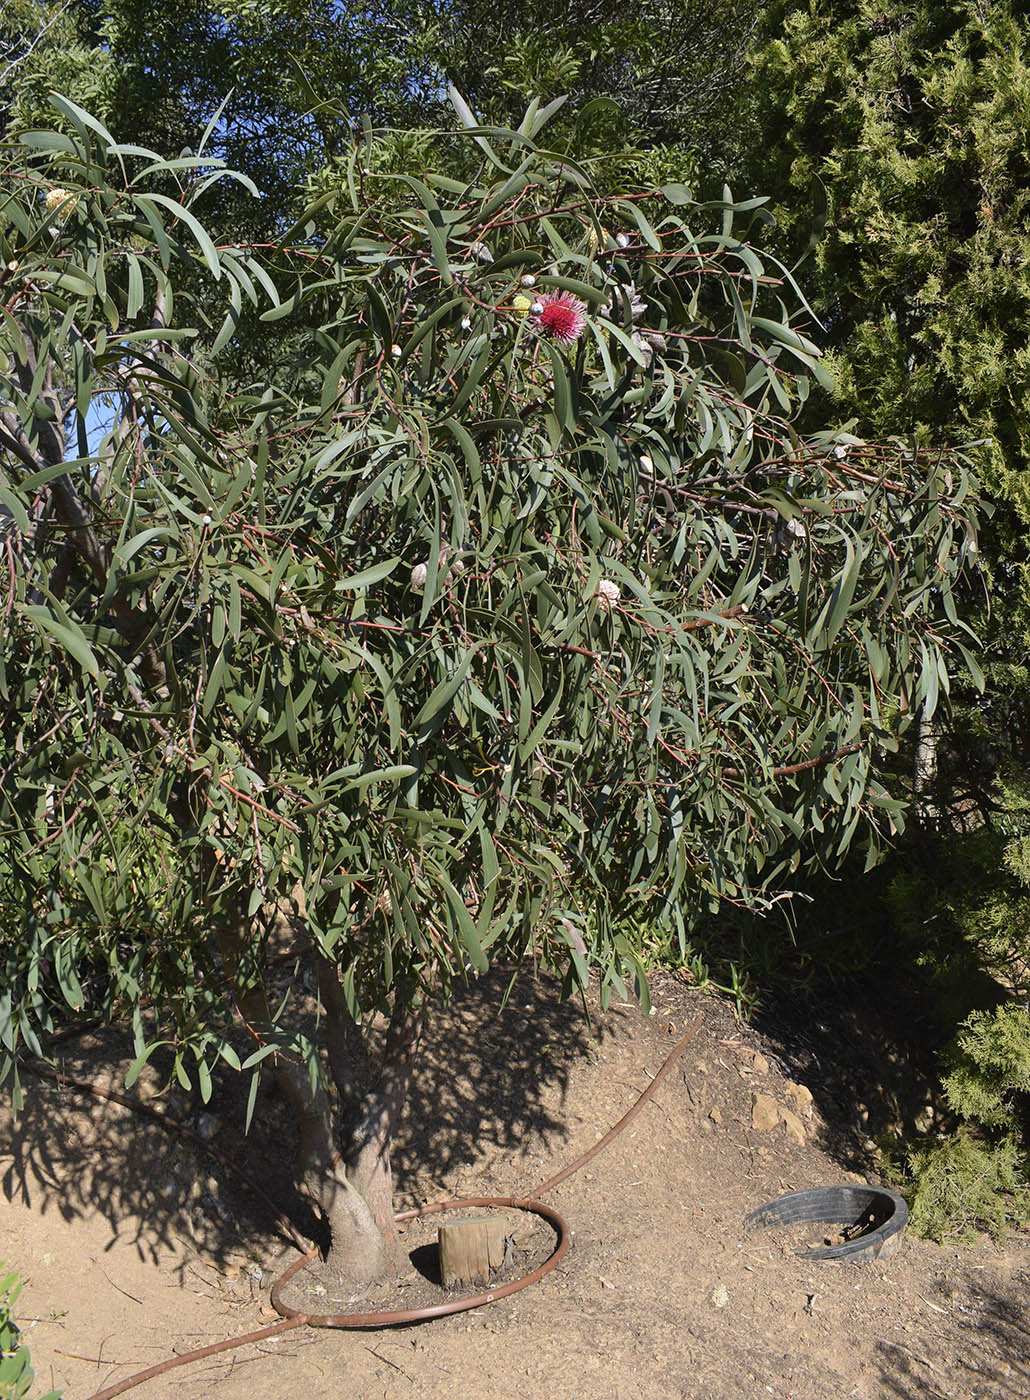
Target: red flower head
{"x":561,"y":317}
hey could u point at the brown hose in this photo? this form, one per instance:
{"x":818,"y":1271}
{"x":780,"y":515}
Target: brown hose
{"x":292,"y":1319}
{"x":627,"y":1118}
{"x":187,"y":1357}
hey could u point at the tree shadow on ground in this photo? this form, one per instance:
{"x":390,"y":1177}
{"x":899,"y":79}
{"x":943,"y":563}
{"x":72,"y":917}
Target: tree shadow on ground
{"x":491,"y":1082}
{"x":862,"y":988}
{"x":868,"y":1056}
{"x":995,"y":1363}
{"x":489,"y":1088}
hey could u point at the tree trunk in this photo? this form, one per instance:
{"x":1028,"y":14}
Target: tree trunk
{"x":352,"y":1184}
{"x":924,"y":772}
{"x":369,"y":1124}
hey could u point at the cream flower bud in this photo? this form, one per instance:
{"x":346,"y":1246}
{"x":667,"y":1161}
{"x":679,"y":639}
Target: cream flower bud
{"x":56,"y":198}
{"x":622,"y":239}
{"x":528,"y":280}
{"x":607,"y":595}
{"x":419,"y":574}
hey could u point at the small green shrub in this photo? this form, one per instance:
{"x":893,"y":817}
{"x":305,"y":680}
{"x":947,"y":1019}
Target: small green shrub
{"x":991,"y":1065}
{"x":959,"y":1186}
{"x":16,"y":1373}
{"x":961,"y":908}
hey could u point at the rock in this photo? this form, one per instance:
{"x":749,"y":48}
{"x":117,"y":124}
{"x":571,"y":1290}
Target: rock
{"x":802,"y":1097}
{"x":715,"y":1115}
{"x":794,"y":1126}
{"x":765,"y":1112}
{"x":759,"y":1063}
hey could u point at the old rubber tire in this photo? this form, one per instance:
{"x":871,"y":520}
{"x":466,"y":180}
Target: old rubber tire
{"x":851,"y":1206}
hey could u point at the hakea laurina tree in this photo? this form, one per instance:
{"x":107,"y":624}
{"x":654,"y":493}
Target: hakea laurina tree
{"x":503,"y":613}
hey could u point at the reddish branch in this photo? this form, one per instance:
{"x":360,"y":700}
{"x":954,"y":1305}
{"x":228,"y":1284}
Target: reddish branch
{"x":791,"y":768}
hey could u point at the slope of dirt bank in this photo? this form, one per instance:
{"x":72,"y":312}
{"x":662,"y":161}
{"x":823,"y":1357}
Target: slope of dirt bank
{"x":134,"y":1247}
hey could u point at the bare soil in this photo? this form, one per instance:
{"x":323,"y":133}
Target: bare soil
{"x":135,"y":1246}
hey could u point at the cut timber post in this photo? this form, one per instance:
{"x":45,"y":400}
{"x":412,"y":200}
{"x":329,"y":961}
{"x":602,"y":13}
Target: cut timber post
{"x":471,"y":1249}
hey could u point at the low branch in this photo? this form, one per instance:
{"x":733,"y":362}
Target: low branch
{"x":791,"y":768}
{"x":23,"y":454}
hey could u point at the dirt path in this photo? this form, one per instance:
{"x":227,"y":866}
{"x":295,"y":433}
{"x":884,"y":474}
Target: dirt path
{"x":133,"y":1248}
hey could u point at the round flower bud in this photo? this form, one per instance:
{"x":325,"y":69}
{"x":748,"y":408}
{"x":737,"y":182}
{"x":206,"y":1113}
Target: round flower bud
{"x":419,"y":574}
{"x":528,"y":280}
{"x":622,"y":239}
{"x":396,"y":351}
{"x":537,"y":308}
{"x":56,"y":198}
{"x":466,"y":323}
{"x":607,"y":594}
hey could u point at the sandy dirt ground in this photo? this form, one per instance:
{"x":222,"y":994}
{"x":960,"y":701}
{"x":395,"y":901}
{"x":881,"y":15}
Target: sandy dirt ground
{"x":134,"y":1246}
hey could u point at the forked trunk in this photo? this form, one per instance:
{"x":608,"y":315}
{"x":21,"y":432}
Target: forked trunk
{"x":353,"y":1190}
{"x":364,"y":1245}
{"x":352,"y":1183}
{"x":366,"y":1159}
{"x":357,"y":1201}
{"x":347,"y":1174}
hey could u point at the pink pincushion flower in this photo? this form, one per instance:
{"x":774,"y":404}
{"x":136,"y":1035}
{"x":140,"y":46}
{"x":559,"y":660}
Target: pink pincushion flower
{"x":561,"y":317}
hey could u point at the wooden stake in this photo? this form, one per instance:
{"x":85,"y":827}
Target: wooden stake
{"x":472,"y":1249}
